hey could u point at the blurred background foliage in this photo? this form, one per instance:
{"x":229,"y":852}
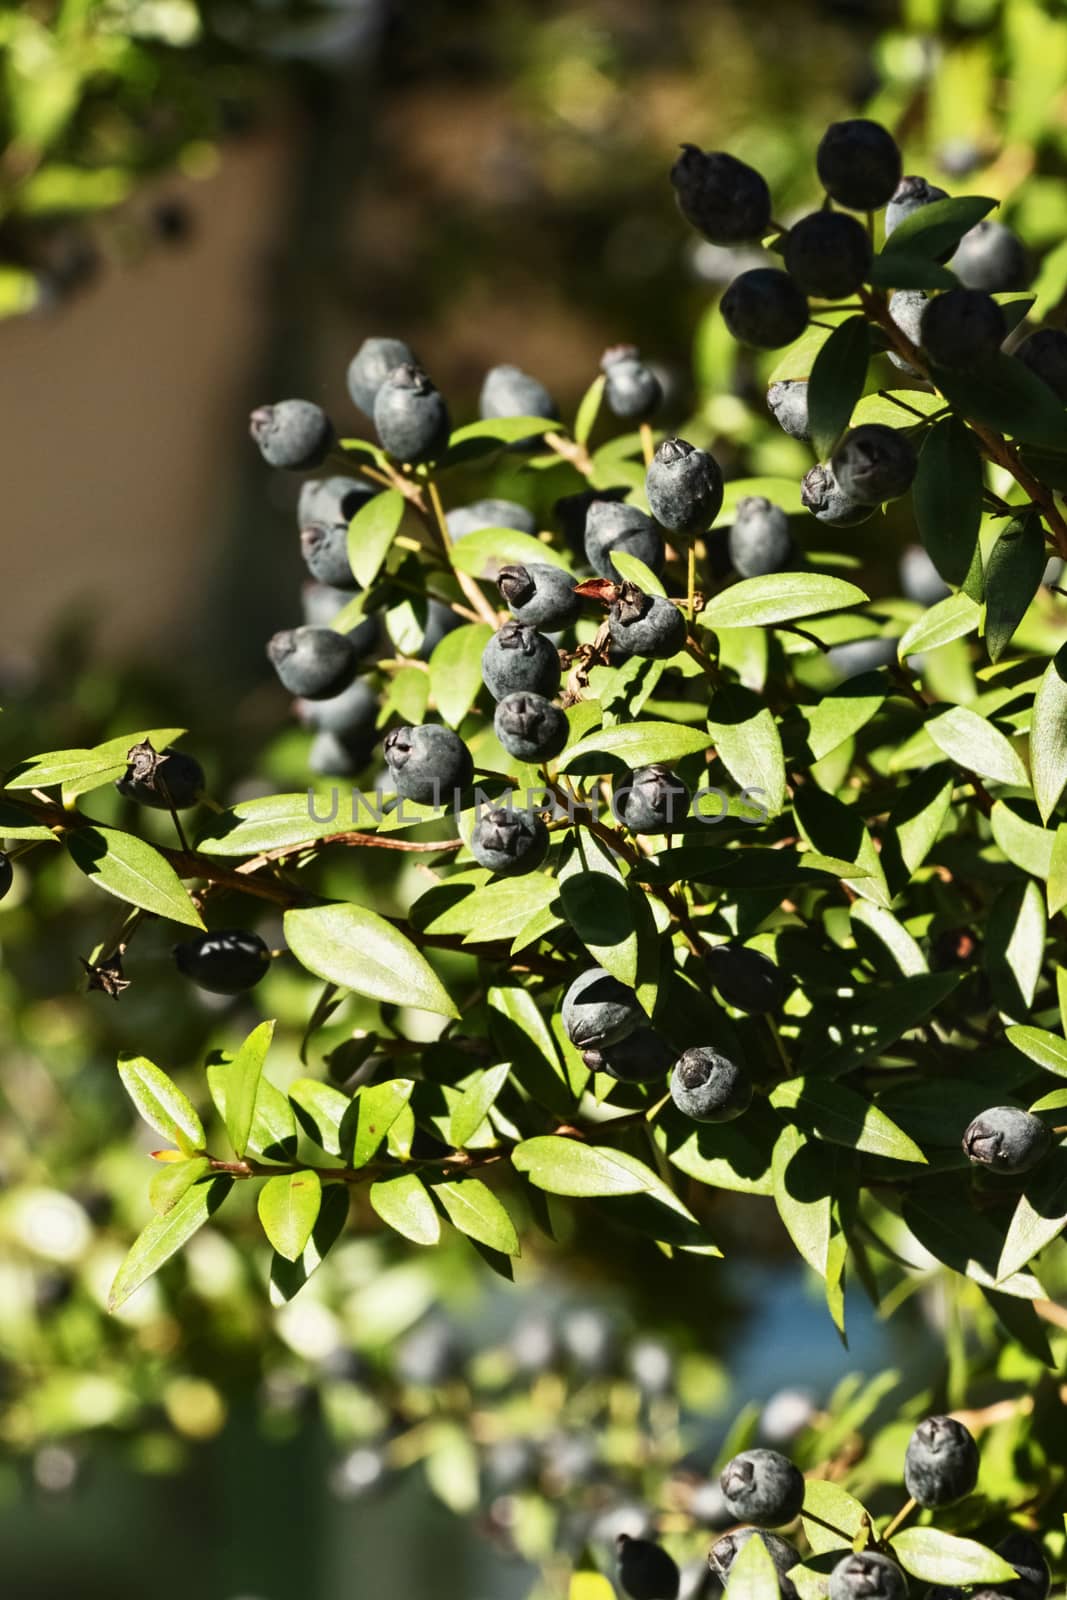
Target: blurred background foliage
{"x":488,"y":181}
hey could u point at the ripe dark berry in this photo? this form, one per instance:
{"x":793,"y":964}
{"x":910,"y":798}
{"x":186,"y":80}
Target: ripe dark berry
{"x":530,"y":727}
{"x":334,"y":499}
{"x":1007,"y":1140}
{"x":518,"y":658}
{"x":684,"y":487}
{"x":906,"y":307}
{"x":371,"y":365}
{"x":787,"y":401}
{"x":429,"y":764}
{"x":598,"y":1010}
{"x":7,"y":874}
{"x":1028,"y":1559}
{"x":352,"y":713}
{"x":828,"y":254}
{"x":725,"y":200}
{"x":759,"y":540}
{"x":910,"y":194}
{"x":510,"y":392}
{"x":962,"y":328}
{"x":320,"y":605}
{"x":642,"y":1057}
{"x":858,"y":164}
{"x":919,"y":578}
{"x":765,"y":308}
{"x":784,"y":1556}
{"x":294,"y":434}
{"x":489,"y":513}
{"x":764,"y":1487}
{"x":866,"y":1575}
{"x":324,"y":547}
{"x":651,"y":800}
{"x":226,"y":962}
{"x":747,"y":979}
{"x":1045,"y":353}
{"x":162,"y":778}
{"x":646,"y":624}
{"x":313,"y":663}
{"x":941,"y":1463}
{"x":509,"y":842}
{"x":873,"y":463}
{"x":631,"y":389}
{"x":645,"y":1570}
{"x":538,"y":594}
{"x":708,"y":1087}
{"x":410,"y":416}
{"x":992,"y":258}
{"x":612,"y":525}
{"x":824,"y":497}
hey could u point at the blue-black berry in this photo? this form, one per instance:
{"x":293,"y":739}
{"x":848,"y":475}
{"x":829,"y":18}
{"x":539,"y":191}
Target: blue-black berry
{"x":709,"y":1087}
{"x":941,"y":1462}
{"x":645,"y":1570}
{"x":866,"y":1575}
{"x":725,"y":200}
{"x":161,"y":778}
{"x":651,"y":800}
{"x":539,"y":594}
{"x":410,"y":416}
{"x":314,"y":663}
{"x":992,"y":258}
{"x":646,"y":624}
{"x":784,"y":1556}
{"x":371,"y":365}
{"x":764,"y":308}
{"x":598,"y":1010}
{"x":684,"y":487}
{"x":333,"y":499}
{"x":828,"y":254}
{"x":631,"y":389}
{"x":518,"y":658}
{"x":759,"y":540}
{"x":489,"y":513}
{"x":294,"y":434}
{"x":823,"y":496}
{"x":429,"y":764}
{"x":530,"y":727}
{"x":764,"y":1487}
{"x":612,"y":525}
{"x":873,"y":463}
{"x":642,"y":1057}
{"x":509,"y":842}
{"x":859,"y":164}
{"x":350,"y":714}
{"x":1006,"y":1139}
{"x":962,"y":328}
{"x":1027,"y":1557}
{"x":228,"y":961}
{"x":787,"y":401}
{"x":335,"y":756}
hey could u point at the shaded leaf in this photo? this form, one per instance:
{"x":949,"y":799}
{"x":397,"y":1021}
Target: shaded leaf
{"x":475,"y":1210}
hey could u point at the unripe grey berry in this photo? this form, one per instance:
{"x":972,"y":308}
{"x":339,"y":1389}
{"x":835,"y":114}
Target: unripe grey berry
{"x":941,"y":1463}
{"x":539,"y":594}
{"x":992,"y":258}
{"x":518,"y":658}
{"x":911,"y":194}
{"x":410,"y":416}
{"x":324,"y":547}
{"x":873,"y":463}
{"x":1006,"y":1139}
{"x":651,"y":800}
{"x":631,"y":389}
{"x":764,"y":308}
{"x":646,"y":624}
{"x":509,"y":842}
{"x":333,"y":499}
{"x":784,"y":1556}
{"x":709,"y":1087}
{"x":371,"y":365}
{"x":725,"y":200}
{"x":906,"y":307}
{"x":787,"y":401}
{"x":350,"y":714}
{"x":824,"y":497}
{"x":294,"y":434}
{"x":530,"y":727}
{"x":759,"y":540}
{"x":764,"y":1487}
{"x":828,"y":254}
{"x":429,"y":765}
{"x":509,"y":392}
{"x":314,"y":663}
{"x":858,"y":164}
{"x":962,"y":328}
{"x":489,"y":513}
{"x":611,"y":525}
{"x":598,"y":1010}
{"x":684,"y":487}
{"x":332,"y":756}
{"x":866,"y":1575}
{"x":862,"y":655}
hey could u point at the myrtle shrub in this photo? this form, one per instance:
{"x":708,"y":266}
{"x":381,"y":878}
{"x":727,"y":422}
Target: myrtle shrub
{"x":710,"y":870}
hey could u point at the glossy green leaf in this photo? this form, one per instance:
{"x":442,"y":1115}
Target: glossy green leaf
{"x":475,"y":1210}
{"x":1040,"y":1215}
{"x":1005,"y":395}
{"x":833,"y":1505}
{"x":567,"y":1166}
{"x":803,"y":1194}
{"x":1048,"y":736}
{"x":475,"y":1103}
{"x":952,"y":618}
{"x":638,"y":744}
{"x":836,"y":383}
{"x":456,"y":670}
{"x":483,"y":553}
{"x":80,"y":771}
{"x":1020,"y":842}
{"x":132,"y":871}
{"x":588,"y":409}
{"x":287,"y":1278}
{"x":752,"y":1574}
{"x":173,"y":1180}
{"x":843,"y":1117}
{"x":634,"y":571}
{"x":935,"y":229}
{"x":357,"y":949}
{"x":166,"y":1234}
{"x":371,"y":532}
{"x":779,"y":597}
{"x":1056,"y":888}
{"x":161,"y":1103}
{"x":747,"y":742}
{"x":405,"y":1205}
{"x":1046,"y":1049}
{"x":242,"y":1077}
{"x":1014,"y":946}
{"x":899,"y":270}
{"x":377,"y":1107}
{"x":288,"y":1208}
{"x":943,"y":1558}
{"x":844,"y":711}
{"x":321,"y":1110}
{"x":976,"y":746}
{"x":274,"y":821}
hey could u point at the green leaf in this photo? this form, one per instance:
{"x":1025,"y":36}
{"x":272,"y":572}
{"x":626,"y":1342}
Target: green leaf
{"x":483,"y":553}
{"x":566,"y":1166}
{"x":161,"y":1103}
{"x":748,"y":744}
{"x":475,"y":1103}
{"x":803,"y":1194}
{"x":1040,"y":1215}
{"x":1048,"y":736}
{"x":456,"y":670}
{"x":242,"y":1077}
{"x":844,"y":711}
{"x":830,"y":825}
{"x":906,"y":953}
{"x":952,"y":618}
{"x":504,"y":430}
{"x":165,"y":1235}
{"x":1015,"y":945}
{"x":976,"y":746}
{"x":287,"y":1278}
{"x":844,"y":1117}
{"x":1048,"y":1050}
{"x":896,"y":270}
{"x":915,"y":822}
{"x":475,"y":1210}
{"x":599,"y":909}
{"x":634,"y":571}
{"x":273,"y":1132}
{"x":405,"y":1205}
{"x":173,"y":1179}
{"x":1013,"y":576}
{"x":1056,"y":888}
{"x":1021,"y":842}
{"x":277,"y":820}
{"x":18,"y":824}
{"x":588,"y":409}
{"x":836,"y":383}
{"x":752,"y":1574}
{"x":451,"y":1464}
{"x":357,"y":949}
{"x":778,"y":597}
{"x":377,"y":1107}
{"x":834,"y":1505}
{"x":132,"y":871}
{"x":371,"y":532}
{"x":947,"y":497}
{"x":638,"y":744}
{"x":943,"y":1558}
{"x":80,"y":771}
{"x":896,"y":408}
{"x":288,"y":1208}
{"x":320,"y":1109}
{"x":880,"y":1019}
{"x":1005,"y":395}
{"x":935,"y":229}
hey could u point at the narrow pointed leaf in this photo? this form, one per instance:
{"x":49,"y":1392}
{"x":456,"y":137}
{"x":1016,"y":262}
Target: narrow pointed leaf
{"x":161,"y":1103}
{"x":165,"y":1235}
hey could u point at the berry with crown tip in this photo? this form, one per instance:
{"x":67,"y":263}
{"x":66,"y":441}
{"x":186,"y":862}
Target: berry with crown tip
{"x":1006,"y":1139}
{"x":784,"y":1556}
{"x":642,"y":1057}
{"x":598,"y":1010}
{"x":7,"y":873}
{"x":823,"y":496}
{"x":410,"y":415}
{"x":324,"y":547}
{"x":509,"y":392}
{"x":350,"y":714}
{"x":631,"y":389}
{"x":919,"y":578}
{"x":333,"y":499}
{"x":530,"y":727}
{"x":651,"y":800}
{"x":962,"y":328}
{"x":645,"y":1570}
{"x":759,"y":540}
{"x":684,"y":487}
{"x":873,"y":463}
{"x":332,"y":756}
{"x":646,"y":624}
{"x":162,"y":778}
{"x":489,"y":513}
{"x":313,"y":663}
{"x":294,"y":434}
{"x":1027,"y":1557}
{"x":867,"y":1575}
{"x":371,"y":365}
{"x":1044,"y":352}
{"x":428,"y":764}
{"x":764,"y":308}
{"x":941,"y":1462}
{"x":539,"y":594}
{"x":509,"y":842}
{"x":787,"y":401}
{"x":911,"y":194}
{"x":859,"y":164}
{"x":612,"y":525}
{"x":992,"y":258}
{"x":708,"y":1086}
{"x":764,"y":1487}
{"x":225,"y":961}
{"x":519,"y":658}
{"x":747,"y":979}
{"x":723,"y":198}
{"x":828,"y":254}
{"x":906,"y":307}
